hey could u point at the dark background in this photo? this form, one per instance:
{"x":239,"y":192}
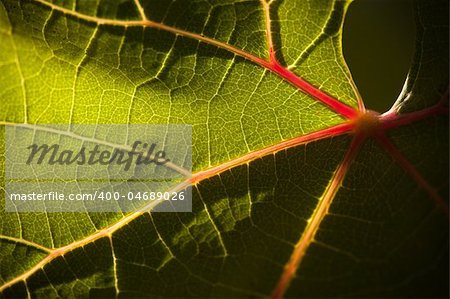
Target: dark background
{"x":378,"y":42}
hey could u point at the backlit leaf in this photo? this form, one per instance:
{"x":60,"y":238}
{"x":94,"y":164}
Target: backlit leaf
{"x":298,"y":191}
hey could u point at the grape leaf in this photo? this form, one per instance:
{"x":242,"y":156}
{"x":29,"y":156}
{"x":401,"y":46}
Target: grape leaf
{"x":298,"y":189}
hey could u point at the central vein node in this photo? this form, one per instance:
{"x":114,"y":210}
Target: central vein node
{"x":367,"y":123}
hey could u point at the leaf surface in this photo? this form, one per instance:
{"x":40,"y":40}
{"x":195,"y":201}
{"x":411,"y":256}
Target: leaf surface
{"x":297,"y":189}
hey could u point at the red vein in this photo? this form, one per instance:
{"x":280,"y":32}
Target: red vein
{"x":412,"y":171}
{"x":394,"y":110}
{"x":334,"y":104}
{"x":392,"y":120}
{"x":108,"y":231}
{"x":61,"y":251}
{"x":273,"y":66}
{"x":156,"y":25}
{"x":284,"y":72}
{"x":388,"y":121}
{"x":325,"y":133}
{"x":55,"y":253}
{"x":314,"y":222}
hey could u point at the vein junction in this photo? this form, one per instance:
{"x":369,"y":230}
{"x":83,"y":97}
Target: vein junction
{"x":360,"y":124}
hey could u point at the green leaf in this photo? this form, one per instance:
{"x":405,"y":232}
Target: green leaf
{"x":428,"y":76}
{"x":298,"y":191}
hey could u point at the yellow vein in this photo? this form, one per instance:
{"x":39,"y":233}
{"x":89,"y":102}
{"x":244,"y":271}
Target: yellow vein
{"x":55,"y":253}
{"x":108,"y":231}
{"x":272,"y":65}
{"x":26,"y":242}
{"x":105,"y":232}
{"x":116,"y":279}
{"x":140,"y":9}
{"x":213,"y":223}
{"x":283,"y":145}
{"x":156,"y":25}
{"x":316,"y":219}
{"x":70,"y":134}
{"x":267,"y":21}
{"x":28,"y":291}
